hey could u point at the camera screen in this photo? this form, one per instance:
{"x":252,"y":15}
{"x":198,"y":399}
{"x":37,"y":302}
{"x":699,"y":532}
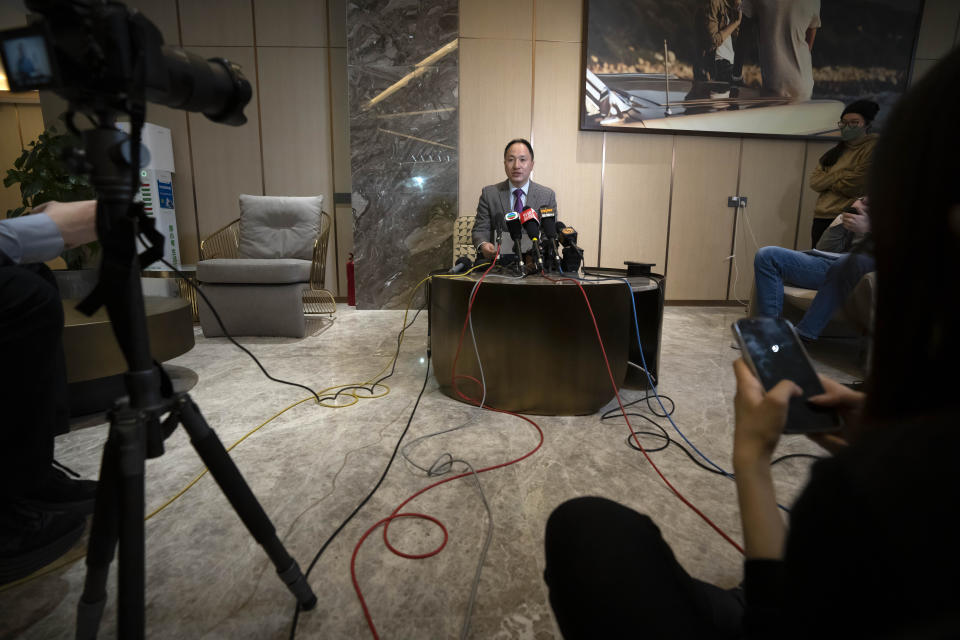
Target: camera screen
{"x":27,"y":63}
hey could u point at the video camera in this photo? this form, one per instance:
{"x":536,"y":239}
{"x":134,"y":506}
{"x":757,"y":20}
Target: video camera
{"x":99,"y":55}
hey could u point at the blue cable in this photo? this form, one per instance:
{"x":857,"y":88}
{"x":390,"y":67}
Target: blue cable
{"x":643,"y":360}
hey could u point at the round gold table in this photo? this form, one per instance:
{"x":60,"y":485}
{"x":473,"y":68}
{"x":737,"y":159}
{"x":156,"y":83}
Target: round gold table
{"x":536,"y":340}
{"x":93,"y":357}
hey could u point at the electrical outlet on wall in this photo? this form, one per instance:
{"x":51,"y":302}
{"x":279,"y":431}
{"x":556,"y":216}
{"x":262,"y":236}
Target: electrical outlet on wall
{"x":735,"y":202}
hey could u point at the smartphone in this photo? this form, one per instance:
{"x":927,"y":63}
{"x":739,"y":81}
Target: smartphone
{"x":773,"y":351}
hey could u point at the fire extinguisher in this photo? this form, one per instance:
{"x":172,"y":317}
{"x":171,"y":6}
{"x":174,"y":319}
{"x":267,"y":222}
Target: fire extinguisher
{"x":351,"y":285}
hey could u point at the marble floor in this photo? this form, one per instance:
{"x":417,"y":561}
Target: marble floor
{"x":310,"y":466}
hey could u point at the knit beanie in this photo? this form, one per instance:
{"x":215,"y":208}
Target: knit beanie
{"x":866,"y":108}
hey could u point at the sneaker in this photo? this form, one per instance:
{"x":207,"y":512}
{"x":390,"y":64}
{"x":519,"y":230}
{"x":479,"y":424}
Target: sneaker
{"x":30,"y":538}
{"x":56,"y":491}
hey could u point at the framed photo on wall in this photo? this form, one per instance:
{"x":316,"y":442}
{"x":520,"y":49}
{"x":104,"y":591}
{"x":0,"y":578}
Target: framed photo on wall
{"x":782,"y":68}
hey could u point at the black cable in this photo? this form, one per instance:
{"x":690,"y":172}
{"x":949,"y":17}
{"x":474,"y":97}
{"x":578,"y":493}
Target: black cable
{"x":795,"y":455}
{"x":426,"y":377}
{"x":216,"y":315}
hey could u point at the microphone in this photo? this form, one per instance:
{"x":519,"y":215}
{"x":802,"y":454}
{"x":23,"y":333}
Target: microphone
{"x":514,"y":228}
{"x":572,"y":254}
{"x":498,"y":225}
{"x":463,"y":263}
{"x":531,"y":224}
{"x":548,"y":221}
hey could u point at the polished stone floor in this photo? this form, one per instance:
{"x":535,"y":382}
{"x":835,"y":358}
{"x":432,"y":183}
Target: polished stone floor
{"x":311,"y":466}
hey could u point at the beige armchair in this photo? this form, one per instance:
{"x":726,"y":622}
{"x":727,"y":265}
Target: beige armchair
{"x":256,"y":272}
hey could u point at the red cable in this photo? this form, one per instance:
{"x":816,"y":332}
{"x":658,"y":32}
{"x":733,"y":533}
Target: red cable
{"x":634,"y":433}
{"x":395,"y":514}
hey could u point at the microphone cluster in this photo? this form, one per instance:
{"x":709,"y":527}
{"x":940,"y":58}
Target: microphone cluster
{"x":547,"y":235}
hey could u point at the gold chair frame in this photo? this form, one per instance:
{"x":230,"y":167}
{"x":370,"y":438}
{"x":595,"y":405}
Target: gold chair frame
{"x":225,"y":243}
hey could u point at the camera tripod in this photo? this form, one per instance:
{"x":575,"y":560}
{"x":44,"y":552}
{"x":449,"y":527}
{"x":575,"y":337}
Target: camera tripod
{"x":136,"y":430}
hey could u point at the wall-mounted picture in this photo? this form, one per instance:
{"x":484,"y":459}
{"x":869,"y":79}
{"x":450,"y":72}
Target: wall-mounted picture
{"x":743,"y":67}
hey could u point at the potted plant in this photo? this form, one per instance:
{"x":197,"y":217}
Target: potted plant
{"x":42,"y":175}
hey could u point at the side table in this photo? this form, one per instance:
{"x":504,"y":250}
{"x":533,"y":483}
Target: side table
{"x":185,"y":289}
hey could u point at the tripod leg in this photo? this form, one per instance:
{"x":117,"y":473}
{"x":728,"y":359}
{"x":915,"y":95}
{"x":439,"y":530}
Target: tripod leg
{"x":231,"y":482}
{"x":101,"y":545}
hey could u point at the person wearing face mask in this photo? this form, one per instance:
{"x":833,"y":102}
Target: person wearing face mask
{"x":840,"y":176}
{"x":516,"y":193}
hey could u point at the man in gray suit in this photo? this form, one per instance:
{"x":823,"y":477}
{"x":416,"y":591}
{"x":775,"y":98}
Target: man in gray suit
{"x":516,"y":193}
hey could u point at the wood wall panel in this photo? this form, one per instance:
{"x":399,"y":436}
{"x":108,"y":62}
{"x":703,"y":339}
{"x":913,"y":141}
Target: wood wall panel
{"x":938,"y":28}
{"x":295,"y":121}
{"x":568,"y":161}
{"x":636,"y":197}
{"x":31,"y":122}
{"x":497,"y":20}
{"x":10,"y":150}
{"x":559,"y":20}
{"x":162,"y":13}
{"x":340,"y":114}
{"x":291,"y":23}
{"x":295,"y":125}
{"x":808,"y":198}
{"x":495,"y":93}
{"x":337,"y":23}
{"x":701,"y":225}
{"x":771,"y":177}
{"x":226,"y":160}
{"x":216,"y":23}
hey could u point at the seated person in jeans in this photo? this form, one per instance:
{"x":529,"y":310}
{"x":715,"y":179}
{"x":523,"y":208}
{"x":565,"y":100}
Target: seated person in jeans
{"x":829,"y":270}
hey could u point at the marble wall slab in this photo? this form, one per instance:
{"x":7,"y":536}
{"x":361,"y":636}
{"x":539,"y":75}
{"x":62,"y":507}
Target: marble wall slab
{"x":403,"y":94}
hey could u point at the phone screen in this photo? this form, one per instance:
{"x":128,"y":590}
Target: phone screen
{"x":775,"y":353}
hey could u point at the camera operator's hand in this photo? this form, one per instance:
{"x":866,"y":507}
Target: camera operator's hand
{"x":76,"y":221}
{"x":849,"y":404}
{"x":760,"y":417}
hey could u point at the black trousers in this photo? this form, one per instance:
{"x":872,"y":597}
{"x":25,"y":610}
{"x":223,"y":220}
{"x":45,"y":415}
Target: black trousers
{"x":611,"y":575}
{"x":819,"y":226}
{"x":34,"y":406}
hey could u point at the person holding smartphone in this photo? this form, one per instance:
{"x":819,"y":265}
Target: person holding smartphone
{"x":870,"y":550}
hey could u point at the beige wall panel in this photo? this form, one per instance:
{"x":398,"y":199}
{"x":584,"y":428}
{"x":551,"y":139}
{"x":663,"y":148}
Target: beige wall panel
{"x":12,"y":15}
{"x":226,"y":160}
{"x":295,"y":120}
{"x":495,"y":93}
{"x":701,"y":224}
{"x":216,"y":23}
{"x":559,"y":20}
{"x":291,"y":23}
{"x":162,"y":13}
{"x":808,"y":197}
{"x":938,"y":28}
{"x":340,"y":112}
{"x":10,"y":150}
{"x":771,"y":176}
{"x":636,"y":199}
{"x":176,"y":121}
{"x":31,"y":122}
{"x":496,"y":19}
{"x":344,"y":246}
{"x":568,"y":160}
{"x":337,"y":23}
{"x":920,"y":68}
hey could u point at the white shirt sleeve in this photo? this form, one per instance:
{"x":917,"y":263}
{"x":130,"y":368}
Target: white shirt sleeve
{"x":30,"y":238}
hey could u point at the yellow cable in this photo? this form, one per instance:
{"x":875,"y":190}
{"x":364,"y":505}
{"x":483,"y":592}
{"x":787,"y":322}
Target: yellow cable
{"x":71,"y":558}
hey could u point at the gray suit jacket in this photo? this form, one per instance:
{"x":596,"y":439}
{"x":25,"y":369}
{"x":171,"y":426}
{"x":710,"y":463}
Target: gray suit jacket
{"x":497,"y":198}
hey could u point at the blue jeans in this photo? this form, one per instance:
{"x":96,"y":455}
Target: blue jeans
{"x":833,"y":278}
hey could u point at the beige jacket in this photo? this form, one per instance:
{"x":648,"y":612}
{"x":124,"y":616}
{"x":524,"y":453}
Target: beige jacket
{"x":846,"y":180}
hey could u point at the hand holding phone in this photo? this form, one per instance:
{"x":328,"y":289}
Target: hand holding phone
{"x":773,"y":351}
